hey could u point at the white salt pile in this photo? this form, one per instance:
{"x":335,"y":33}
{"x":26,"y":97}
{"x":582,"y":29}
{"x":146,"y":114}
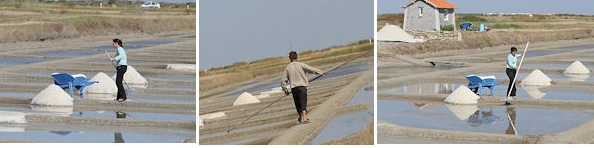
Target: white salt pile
{"x":132,"y":77}
{"x":105,"y":86}
{"x":260,"y":96}
{"x":462,"y":95}
{"x":536,"y":78}
{"x":200,"y":122}
{"x":212,"y":115}
{"x":577,"y":68}
{"x":53,"y":95}
{"x":190,"y":67}
{"x":12,"y":117}
{"x":462,"y":111}
{"x":245,"y":98}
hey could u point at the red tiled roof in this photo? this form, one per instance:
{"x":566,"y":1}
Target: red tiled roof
{"x":436,"y":3}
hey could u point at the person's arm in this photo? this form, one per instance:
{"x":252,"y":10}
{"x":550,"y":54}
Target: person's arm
{"x":121,"y":54}
{"x":519,"y":55}
{"x":310,"y":69}
{"x":284,"y":81}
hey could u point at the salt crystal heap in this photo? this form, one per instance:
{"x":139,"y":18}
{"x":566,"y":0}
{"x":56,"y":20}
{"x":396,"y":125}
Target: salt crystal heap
{"x":577,"y":68}
{"x":52,"y":95}
{"x":105,"y":86}
{"x":245,"y":98}
{"x":536,"y":78}
{"x":462,"y":95}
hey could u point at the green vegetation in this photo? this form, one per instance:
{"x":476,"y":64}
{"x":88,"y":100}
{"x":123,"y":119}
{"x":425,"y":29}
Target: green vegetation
{"x":447,"y":28}
{"x":505,"y":26}
{"x":471,"y":18}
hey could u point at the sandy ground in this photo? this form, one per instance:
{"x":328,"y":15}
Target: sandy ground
{"x":395,"y":73}
{"x":167,"y":93}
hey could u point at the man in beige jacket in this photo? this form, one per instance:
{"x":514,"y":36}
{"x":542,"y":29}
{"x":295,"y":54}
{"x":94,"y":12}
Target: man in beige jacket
{"x":294,"y":76}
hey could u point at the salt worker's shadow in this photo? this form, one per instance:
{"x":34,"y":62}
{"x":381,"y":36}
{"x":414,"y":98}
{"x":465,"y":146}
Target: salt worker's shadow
{"x":118,"y":138}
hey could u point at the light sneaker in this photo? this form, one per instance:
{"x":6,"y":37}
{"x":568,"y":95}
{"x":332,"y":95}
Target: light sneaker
{"x":507,"y":99}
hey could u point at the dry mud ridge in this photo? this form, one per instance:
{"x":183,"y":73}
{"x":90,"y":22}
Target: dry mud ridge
{"x":326,"y":98}
{"x":420,"y":88}
{"x":164,"y":111}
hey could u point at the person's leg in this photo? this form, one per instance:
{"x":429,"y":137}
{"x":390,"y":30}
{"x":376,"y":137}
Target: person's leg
{"x":119,"y":78}
{"x":513,"y":90}
{"x":303,"y":102}
{"x":295,"y":93}
{"x":510,"y":76}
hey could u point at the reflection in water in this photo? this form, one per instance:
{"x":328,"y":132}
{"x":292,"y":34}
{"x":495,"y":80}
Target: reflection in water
{"x":117,"y":135}
{"x":429,"y":89}
{"x":481,"y":117}
{"x":534,"y":91}
{"x":511,"y":114}
{"x":576,"y":77}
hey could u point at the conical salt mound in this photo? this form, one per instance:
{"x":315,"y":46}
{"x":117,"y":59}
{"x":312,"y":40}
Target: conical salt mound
{"x":393,"y":33}
{"x":462,"y":111}
{"x":245,"y":98}
{"x":577,"y":68}
{"x":536,"y":78}
{"x":132,"y":77}
{"x":212,"y":115}
{"x":105,"y":86}
{"x":462,"y":95}
{"x":53,"y":95}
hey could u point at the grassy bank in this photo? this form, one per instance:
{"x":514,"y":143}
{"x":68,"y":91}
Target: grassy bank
{"x":22,"y":20}
{"x":557,"y":21}
{"x":90,"y":26}
{"x":243,"y":71}
{"x":471,"y":40}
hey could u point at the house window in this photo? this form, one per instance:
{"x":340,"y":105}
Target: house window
{"x":447,"y":15}
{"x":420,"y":11}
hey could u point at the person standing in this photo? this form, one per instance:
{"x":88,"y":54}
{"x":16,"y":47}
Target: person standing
{"x":294,"y":76}
{"x":512,"y":58}
{"x":122,"y":62}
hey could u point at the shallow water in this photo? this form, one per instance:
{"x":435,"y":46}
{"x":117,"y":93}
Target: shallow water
{"x":161,"y":98}
{"x":190,"y":79}
{"x":15,"y":94}
{"x":136,"y":44}
{"x":91,"y":137}
{"x":344,"y":125}
{"x":424,"y":88}
{"x":135,"y":115}
{"x":578,"y":47}
{"x":9,"y":61}
{"x":527,"y":121}
{"x":538,"y":53}
{"x":580,"y":59}
{"x":67,"y":53}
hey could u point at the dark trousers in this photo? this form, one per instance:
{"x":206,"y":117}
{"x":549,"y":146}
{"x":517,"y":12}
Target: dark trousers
{"x":119,"y":78}
{"x":300,"y":98}
{"x":511,"y":74}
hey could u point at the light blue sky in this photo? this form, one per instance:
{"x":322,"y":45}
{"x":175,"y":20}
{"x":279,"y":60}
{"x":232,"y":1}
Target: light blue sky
{"x":244,"y":30}
{"x":502,"y":6}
